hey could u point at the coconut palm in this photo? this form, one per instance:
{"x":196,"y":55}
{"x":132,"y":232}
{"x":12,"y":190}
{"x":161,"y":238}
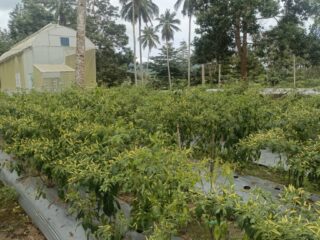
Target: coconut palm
{"x":131,"y":17}
{"x":149,"y":39}
{"x":81,"y":40}
{"x":141,"y":11}
{"x":188,"y":8}
{"x":168,"y":25}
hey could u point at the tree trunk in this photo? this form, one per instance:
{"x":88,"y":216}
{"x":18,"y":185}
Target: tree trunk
{"x":134,"y":44}
{"x":244,"y":60}
{"x":61,"y":14}
{"x":219,"y":76}
{"x":203,"y":75}
{"x":189,"y":52}
{"x":294,"y":71}
{"x":148,"y":60}
{"x":81,"y":42}
{"x":168,"y":63}
{"x":140,"y":48}
{"x":242,"y":48}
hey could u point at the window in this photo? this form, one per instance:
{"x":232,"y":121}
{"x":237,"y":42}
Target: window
{"x":65,"y":42}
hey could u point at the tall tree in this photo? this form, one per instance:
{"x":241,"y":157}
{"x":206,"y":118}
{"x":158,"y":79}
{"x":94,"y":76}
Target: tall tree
{"x":159,"y":67}
{"x":168,"y":25}
{"x":214,"y":40}
{"x":113,"y":56}
{"x":140,"y":11}
{"x":5,"y":41}
{"x":81,"y":43}
{"x":27,"y":18}
{"x":289,"y":38}
{"x":188,"y":8}
{"x":241,"y":19}
{"x":149,"y":39}
{"x":63,"y":10}
{"x":182,"y":58}
{"x":128,"y":12}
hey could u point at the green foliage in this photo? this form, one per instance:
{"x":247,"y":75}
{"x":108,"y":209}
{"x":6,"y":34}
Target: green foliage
{"x":27,"y":18}
{"x":159,"y":67}
{"x":5,"y":41}
{"x":113,"y":56}
{"x":7,"y":195}
{"x":107,"y":147}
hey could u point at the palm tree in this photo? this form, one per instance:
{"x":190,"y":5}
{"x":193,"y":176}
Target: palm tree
{"x":168,"y":25}
{"x":131,"y":17}
{"x":187,"y":9}
{"x":141,"y":11}
{"x":149,"y":39}
{"x":81,"y":42}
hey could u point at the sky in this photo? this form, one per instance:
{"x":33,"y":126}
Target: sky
{"x":5,"y":7}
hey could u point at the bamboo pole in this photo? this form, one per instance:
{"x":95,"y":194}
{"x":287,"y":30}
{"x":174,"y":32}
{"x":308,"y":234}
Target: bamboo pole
{"x":203,"y":75}
{"x":219,"y":80}
{"x":294,"y":71}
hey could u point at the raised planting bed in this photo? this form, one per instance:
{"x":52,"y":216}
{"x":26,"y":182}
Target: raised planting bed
{"x":42,"y":204}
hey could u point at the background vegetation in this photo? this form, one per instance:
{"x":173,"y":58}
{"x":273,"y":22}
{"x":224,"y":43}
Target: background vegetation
{"x":234,"y":34}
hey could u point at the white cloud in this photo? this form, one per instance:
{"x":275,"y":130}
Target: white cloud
{"x":8,"y":4}
{"x":4,"y":18}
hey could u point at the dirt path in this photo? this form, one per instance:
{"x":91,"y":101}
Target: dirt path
{"x":14,"y":223}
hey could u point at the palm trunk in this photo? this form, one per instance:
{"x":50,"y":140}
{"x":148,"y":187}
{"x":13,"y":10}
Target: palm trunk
{"x":134,"y":45}
{"x":189,"y":53}
{"x":81,"y":42}
{"x":140,"y":46}
{"x":148,"y":60}
{"x":168,"y":62}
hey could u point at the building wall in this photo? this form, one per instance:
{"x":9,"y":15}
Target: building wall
{"x":90,"y":67}
{"x":45,"y":49}
{"x":12,"y":75}
{"x":53,"y":81}
{"x":28,"y":68}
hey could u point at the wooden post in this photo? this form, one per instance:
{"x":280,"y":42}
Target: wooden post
{"x":203,"y":75}
{"x":219,"y":80}
{"x":294,"y":71}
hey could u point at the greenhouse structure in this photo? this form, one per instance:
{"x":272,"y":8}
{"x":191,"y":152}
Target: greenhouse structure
{"x":45,"y":61}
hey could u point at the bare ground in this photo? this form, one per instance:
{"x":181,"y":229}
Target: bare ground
{"x":14,"y":223}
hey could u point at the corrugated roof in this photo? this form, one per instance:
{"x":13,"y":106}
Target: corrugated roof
{"x":24,"y":44}
{"x":27,"y":43}
{"x":50,"y":68}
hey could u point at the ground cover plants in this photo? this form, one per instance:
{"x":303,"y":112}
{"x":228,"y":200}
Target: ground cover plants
{"x":149,"y":149}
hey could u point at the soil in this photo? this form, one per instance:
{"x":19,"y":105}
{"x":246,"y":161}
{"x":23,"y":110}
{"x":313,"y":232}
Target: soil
{"x":14,"y":223}
{"x":196,"y":231}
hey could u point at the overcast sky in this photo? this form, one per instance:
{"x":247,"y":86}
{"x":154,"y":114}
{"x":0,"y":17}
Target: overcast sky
{"x":5,"y":7}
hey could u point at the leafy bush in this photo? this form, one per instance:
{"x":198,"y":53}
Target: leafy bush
{"x":105,"y":146}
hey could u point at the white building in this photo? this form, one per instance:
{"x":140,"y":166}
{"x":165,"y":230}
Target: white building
{"x":45,"y":61}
